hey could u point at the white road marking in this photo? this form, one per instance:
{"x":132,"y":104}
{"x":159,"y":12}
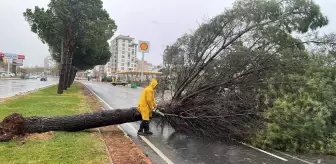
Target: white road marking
{"x":304,"y":161}
{"x":165,"y":158}
{"x":273,"y":155}
{"x":156,"y":150}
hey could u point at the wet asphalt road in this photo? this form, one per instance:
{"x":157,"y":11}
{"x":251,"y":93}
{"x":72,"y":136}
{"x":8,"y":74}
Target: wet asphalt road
{"x":13,"y":87}
{"x":182,"y":149}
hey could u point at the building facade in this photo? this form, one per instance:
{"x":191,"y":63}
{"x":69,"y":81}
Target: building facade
{"x":147,"y":66}
{"x":124,"y":51}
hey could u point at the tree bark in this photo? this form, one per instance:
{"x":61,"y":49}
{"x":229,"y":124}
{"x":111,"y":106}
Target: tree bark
{"x":62,"y":70}
{"x":73,"y":76}
{"x":64,"y":82}
{"x":15,"y":124}
{"x":69,"y":82}
{"x":61,"y":79}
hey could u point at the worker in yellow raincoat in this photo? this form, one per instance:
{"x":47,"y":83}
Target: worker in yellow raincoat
{"x":146,"y":105}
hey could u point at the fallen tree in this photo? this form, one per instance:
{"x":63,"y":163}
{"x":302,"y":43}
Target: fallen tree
{"x":15,"y":124}
{"x":218,"y":74}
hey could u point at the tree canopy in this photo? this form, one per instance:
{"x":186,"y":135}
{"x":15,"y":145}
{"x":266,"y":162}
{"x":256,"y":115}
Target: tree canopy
{"x":244,"y":75}
{"x":90,"y":26}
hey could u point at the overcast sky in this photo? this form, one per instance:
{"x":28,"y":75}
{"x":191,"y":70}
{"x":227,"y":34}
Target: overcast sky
{"x":159,"y":21}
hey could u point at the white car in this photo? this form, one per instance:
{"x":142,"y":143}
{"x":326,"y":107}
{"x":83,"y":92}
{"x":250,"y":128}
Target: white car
{"x":6,"y":74}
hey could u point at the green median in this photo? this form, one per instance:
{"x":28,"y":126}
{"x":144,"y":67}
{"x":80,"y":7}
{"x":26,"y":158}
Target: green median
{"x":55,"y":147}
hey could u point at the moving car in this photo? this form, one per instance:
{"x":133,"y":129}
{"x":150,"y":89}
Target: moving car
{"x":43,"y":78}
{"x":123,"y":83}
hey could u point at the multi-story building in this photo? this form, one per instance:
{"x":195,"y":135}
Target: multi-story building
{"x":147,"y":66}
{"x":124,"y":51}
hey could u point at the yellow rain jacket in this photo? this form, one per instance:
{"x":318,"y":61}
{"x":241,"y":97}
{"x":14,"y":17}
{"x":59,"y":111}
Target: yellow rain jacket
{"x":146,"y":103}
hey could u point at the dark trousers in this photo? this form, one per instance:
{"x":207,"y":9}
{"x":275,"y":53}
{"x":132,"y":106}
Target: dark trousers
{"x":144,"y":126}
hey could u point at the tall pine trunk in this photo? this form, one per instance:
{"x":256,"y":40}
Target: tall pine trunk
{"x":61,"y":71}
{"x":69,"y":57}
{"x":73,"y":76}
{"x":64,"y":84}
{"x":15,"y":124}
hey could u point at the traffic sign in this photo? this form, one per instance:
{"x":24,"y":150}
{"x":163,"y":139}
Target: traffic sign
{"x":144,"y":46}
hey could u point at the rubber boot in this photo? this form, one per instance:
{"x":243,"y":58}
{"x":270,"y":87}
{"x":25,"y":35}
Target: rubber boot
{"x":146,"y":128}
{"x":141,"y":129}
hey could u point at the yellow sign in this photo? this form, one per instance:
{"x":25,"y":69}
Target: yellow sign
{"x":144,"y":46}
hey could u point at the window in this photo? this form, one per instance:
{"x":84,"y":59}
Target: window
{"x":122,"y":68}
{"x":122,"y":60}
{"x":123,"y":52}
{"x":129,"y":49}
{"x":122,"y":64}
{"x":128,"y":64}
{"x":123,"y":44}
{"x":123,"y":56}
{"x":123,"y":41}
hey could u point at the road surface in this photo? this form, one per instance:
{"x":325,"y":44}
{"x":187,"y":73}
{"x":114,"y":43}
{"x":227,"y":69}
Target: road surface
{"x":167,"y":146}
{"x":12,"y":87}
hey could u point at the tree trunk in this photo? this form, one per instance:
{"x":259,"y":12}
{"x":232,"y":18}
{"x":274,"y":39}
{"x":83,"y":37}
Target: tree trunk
{"x":61,"y":70}
{"x":69,"y":56}
{"x":73,"y":76}
{"x":15,"y":124}
{"x":65,"y":87}
{"x":61,"y":79}
{"x":69,"y":82}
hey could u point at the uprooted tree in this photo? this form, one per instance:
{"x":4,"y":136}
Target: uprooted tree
{"x":225,"y":77}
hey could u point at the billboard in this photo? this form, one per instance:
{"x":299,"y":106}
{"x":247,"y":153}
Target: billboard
{"x":11,"y":56}
{"x":18,"y":61}
{"x":18,"y":64}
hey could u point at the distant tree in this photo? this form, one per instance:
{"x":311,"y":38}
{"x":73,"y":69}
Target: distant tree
{"x":83,"y":26}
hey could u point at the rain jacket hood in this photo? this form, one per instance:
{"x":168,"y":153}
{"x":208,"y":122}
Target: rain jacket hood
{"x":153,"y":83}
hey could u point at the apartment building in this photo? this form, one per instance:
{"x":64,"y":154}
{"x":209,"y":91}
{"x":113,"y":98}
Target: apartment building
{"x":124,"y":50}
